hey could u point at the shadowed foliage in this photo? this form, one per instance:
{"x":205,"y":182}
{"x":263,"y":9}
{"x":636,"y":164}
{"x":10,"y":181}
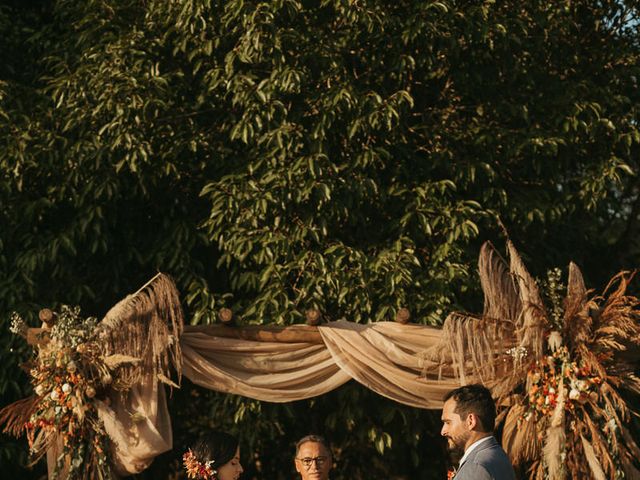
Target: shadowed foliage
{"x":272,"y":157}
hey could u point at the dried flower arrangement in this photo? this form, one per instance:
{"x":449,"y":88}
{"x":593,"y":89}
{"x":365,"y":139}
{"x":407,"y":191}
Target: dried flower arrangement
{"x":560,"y":365}
{"x":67,"y":374}
{"x":80,"y":363}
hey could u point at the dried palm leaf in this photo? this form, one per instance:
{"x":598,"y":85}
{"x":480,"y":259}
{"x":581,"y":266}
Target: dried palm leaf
{"x":575,"y":303}
{"x":146,"y":326}
{"x":532,"y":321}
{"x":501,"y":299}
{"x":39,"y":445}
{"x":520,"y":436}
{"x":475,"y":345}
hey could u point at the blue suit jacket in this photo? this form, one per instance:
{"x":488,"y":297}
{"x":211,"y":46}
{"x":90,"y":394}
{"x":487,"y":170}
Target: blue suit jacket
{"x":488,"y":461}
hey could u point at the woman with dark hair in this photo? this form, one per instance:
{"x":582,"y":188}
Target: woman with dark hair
{"x":215,"y":457}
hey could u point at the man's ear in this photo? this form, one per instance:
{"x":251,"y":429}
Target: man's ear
{"x":471,"y":421}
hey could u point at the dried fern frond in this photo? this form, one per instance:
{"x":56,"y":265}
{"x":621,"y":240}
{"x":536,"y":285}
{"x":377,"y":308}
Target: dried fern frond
{"x":590,"y":360}
{"x":536,"y":471}
{"x":15,"y":415}
{"x":630,"y":443}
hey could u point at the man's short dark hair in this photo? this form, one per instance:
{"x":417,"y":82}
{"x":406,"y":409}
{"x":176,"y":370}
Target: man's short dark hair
{"x":314,"y":439}
{"x":475,"y":399}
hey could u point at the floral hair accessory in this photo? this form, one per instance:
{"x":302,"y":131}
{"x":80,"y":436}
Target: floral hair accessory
{"x":197,"y":469}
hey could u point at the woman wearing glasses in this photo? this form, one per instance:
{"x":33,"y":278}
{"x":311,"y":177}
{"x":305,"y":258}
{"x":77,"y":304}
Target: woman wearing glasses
{"x":215,"y":457}
{"x":313,"y":458}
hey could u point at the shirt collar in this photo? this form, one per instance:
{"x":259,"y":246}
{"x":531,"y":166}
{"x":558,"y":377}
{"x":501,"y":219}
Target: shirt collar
{"x":472,"y":447}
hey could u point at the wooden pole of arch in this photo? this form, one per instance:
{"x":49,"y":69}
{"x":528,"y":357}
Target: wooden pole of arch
{"x":262,"y":333}
{"x":308,"y":333}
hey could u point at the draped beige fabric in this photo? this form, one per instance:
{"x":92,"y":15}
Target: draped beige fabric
{"x":270,"y":371}
{"x":139,"y":426}
{"x":387,"y":357}
{"x":391,"y":359}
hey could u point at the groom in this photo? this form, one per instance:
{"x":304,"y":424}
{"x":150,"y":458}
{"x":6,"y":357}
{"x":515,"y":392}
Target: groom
{"x":468,"y":416}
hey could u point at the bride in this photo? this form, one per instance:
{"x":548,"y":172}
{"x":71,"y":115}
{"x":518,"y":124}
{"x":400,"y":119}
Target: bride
{"x":215,"y":457}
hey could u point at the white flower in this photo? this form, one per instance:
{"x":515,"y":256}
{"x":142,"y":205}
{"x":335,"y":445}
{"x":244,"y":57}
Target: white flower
{"x":574,"y":394}
{"x":66,"y":388}
{"x":39,"y":390}
{"x":555,"y":341}
{"x":54,"y":395}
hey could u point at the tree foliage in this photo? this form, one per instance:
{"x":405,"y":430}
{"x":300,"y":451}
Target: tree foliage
{"x":333,"y":154}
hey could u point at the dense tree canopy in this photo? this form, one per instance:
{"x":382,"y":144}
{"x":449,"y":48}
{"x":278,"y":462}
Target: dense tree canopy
{"x":277,"y":156}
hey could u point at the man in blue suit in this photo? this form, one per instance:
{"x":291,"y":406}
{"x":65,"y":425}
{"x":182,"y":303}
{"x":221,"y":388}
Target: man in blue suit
{"x":468,"y":417}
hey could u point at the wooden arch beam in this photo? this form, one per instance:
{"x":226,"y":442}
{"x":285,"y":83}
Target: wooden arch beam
{"x":262,"y":333}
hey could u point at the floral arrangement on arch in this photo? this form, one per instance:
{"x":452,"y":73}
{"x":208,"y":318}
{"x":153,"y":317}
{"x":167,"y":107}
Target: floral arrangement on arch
{"x":79,"y":364}
{"x":561,"y":363}
{"x":554,"y":372}
{"x":68,"y":374}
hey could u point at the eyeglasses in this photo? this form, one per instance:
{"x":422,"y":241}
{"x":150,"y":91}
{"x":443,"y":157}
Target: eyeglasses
{"x":308,"y":461}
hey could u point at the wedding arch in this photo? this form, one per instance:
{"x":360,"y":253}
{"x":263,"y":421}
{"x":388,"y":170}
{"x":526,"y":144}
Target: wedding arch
{"x":559,"y":370}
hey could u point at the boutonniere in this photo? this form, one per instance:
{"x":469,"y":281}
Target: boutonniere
{"x":451,"y":473}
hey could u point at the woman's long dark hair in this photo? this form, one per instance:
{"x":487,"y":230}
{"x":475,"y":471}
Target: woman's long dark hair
{"x":217,"y":446}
